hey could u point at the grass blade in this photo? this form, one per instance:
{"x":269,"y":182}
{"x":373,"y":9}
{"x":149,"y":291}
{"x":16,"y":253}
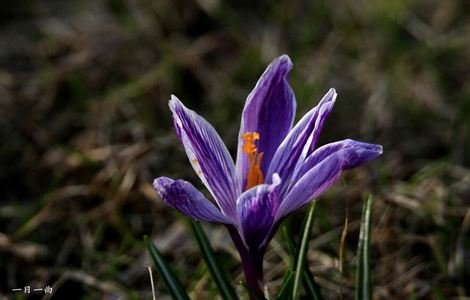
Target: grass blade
{"x":302,"y":253}
{"x":363,"y":281}
{"x":285,"y":290}
{"x":311,"y":287}
{"x":171,"y":281}
{"x":226,"y":290}
{"x":291,"y":247}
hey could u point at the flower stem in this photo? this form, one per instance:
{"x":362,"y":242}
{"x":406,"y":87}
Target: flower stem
{"x":253,"y":269}
{"x":252,"y":263}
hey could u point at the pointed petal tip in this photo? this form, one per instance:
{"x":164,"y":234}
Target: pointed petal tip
{"x":281,"y":64}
{"x":335,"y":94}
{"x":330,"y":96}
{"x":373,"y":148}
{"x":160,"y":184}
{"x":161,"y":181}
{"x":276,"y":179}
{"x":380,"y":149}
{"x":284,"y":58}
{"x":173,"y":102}
{"x":377,"y":150}
{"x":359,"y":154}
{"x":366,"y":146}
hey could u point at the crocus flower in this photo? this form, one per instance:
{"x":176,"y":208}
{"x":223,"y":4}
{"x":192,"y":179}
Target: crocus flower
{"x":278,"y":166}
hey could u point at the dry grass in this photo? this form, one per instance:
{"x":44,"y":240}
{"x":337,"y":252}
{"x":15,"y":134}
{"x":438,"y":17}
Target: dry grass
{"x":85,"y":128}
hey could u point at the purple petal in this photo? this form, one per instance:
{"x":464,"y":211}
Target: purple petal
{"x":208,"y":155}
{"x":325,"y":108}
{"x":183,"y":196}
{"x":326,"y":172}
{"x":257,"y":209}
{"x":297,"y":144}
{"x":270,"y":111}
{"x":367,"y":152}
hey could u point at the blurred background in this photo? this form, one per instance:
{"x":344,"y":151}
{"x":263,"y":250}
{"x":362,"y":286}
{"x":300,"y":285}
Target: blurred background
{"x":85,"y":127}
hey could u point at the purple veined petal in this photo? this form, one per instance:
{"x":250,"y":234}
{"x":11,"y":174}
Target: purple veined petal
{"x":295,"y":147}
{"x":269,"y":110}
{"x":208,"y":156}
{"x":183,"y":196}
{"x":257,"y":208}
{"x":326,"y":172}
{"x":367,"y":152}
{"x":323,"y":114}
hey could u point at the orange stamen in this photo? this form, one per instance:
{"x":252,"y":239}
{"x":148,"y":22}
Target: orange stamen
{"x":255,"y":175}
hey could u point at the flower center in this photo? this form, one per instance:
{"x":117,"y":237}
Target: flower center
{"x":255,"y":175}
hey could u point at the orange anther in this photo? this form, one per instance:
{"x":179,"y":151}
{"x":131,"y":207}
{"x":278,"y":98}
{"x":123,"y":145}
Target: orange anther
{"x":255,"y":175}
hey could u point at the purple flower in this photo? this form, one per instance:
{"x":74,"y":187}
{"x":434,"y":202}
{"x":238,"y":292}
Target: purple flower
{"x":278,"y":169}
